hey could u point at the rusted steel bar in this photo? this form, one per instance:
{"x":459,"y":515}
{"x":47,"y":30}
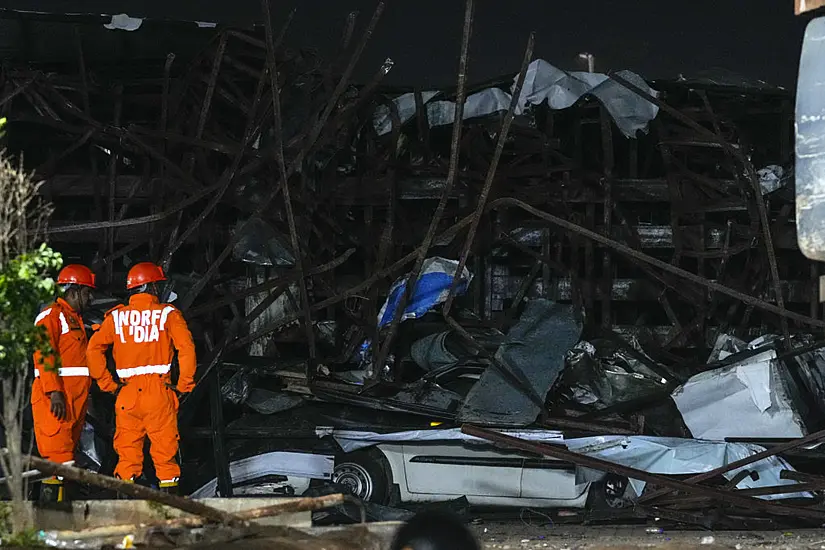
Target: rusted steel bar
{"x":210,"y":88}
{"x":118,"y":254}
{"x":315,"y":131}
{"x":736,"y":480}
{"x":607,"y":216}
{"x":423,"y":122}
{"x":160,"y":191}
{"x":226,"y":147}
{"x":624,"y":249}
{"x":81,"y":62}
{"x":818,"y":482}
{"x":503,"y":133}
{"x":737,"y":154}
{"x":592,"y":427}
{"x":114,"y":158}
{"x":559,"y":452}
{"x":164,"y":102}
{"x":349,"y":28}
{"x":47,"y":167}
{"x":131,"y":135}
{"x":763,"y":218}
{"x":218,"y":352}
{"x":269,"y":285}
{"x":17,"y":91}
{"x":773,"y":451}
{"x":357,"y":289}
{"x":524,"y":288}
{"x":68,"y":106}
{"x":452,"y":174}
{"x":769,"y":247}
{"x":290,"y":215}
{"x":134,"y":221}
{"x":226,"y":178}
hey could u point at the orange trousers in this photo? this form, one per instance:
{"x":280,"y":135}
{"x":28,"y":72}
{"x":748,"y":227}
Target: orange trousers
{"x":145,"y":407}
{"x":57,"y":440}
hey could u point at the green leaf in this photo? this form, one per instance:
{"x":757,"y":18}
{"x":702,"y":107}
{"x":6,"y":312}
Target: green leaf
{"x":26,"y":284}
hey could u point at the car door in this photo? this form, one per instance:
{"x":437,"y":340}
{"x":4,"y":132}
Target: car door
{"x":455,"y":468}
{"x":548,"y":478}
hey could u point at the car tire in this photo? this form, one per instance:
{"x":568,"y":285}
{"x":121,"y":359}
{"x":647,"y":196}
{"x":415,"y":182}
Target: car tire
{"x":365,"y":474}
{"x":607,"y":494}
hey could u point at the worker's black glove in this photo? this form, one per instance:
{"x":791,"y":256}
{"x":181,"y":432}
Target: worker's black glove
{"x":174,"y":389}
{"x":58,"y":405}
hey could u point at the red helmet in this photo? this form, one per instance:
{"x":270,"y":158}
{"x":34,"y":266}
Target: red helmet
{"x":76,"y":274}
{"x":144,"y":273}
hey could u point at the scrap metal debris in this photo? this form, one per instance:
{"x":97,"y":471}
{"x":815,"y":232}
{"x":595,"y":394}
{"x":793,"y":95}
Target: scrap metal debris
{"x":333,"y":242}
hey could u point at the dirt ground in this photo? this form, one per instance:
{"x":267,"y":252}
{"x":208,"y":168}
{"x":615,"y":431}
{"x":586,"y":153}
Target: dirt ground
{"x":530,"y":533}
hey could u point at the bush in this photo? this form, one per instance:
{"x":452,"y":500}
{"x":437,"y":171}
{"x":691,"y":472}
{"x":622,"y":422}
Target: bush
{"x":25,"y":284}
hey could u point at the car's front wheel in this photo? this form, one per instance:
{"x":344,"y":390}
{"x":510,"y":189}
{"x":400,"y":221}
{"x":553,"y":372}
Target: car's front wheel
{"x":608,"y":494}
{"x":365,"y":475}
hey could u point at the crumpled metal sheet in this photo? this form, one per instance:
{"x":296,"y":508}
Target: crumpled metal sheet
{"x":676,"y":456}
{"x":725,"y":346}
{"x":236,"y":389}
{"x":88,"y":447}
{"x":431,"y":353}
{"x":771,"y":178}
{"x":810,"y":367}
{"x":535,"y":350}
{"x":352,"y":440}
{"x":561,"y":90}
{"x":123,"y":22}
{"x":602,"y":374}
{"x":745,"y":399}
{"x":543,"y":82}
{"x":313,"y":466}
{"x":657,"y":455}
{"x":260,"y":244}
{"x":269,"y":402}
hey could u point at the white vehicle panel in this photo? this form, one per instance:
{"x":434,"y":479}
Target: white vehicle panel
{"x":462,"y":470}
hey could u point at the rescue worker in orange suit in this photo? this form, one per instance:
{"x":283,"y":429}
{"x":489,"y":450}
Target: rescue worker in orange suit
{"x":144,"y":335}
{"x":60,"y":390}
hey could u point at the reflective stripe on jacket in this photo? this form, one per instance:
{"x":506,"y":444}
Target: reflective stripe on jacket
{"x":67,"y":336}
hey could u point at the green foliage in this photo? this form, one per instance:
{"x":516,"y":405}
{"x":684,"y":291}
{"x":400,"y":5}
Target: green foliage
{"x":2,"y":130}
{"x":25,"y":284}
{"x":27,"y":538}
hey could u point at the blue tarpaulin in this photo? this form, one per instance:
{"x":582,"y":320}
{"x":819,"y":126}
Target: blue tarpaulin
{"x":431,"y":289}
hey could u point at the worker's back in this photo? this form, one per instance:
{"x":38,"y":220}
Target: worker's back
{"x":142,"y":342}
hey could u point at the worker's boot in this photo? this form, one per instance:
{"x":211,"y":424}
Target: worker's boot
{"x":121,"y":496}
{"x":169,"y":487}
{"x":52,"y":491}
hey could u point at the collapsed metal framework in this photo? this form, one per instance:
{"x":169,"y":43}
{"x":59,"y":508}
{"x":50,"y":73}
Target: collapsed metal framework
{"x":666,"y":237}
{"x":705,"y":506}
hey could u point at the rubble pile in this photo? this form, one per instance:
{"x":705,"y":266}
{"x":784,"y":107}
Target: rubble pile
{"x":605,"y":263}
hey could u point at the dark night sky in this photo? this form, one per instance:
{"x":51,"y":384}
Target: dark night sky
{"x":757,"y":38}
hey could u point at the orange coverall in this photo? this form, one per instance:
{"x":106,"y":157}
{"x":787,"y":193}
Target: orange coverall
{"x":143,"y":336}
{"x":56,"y":440}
